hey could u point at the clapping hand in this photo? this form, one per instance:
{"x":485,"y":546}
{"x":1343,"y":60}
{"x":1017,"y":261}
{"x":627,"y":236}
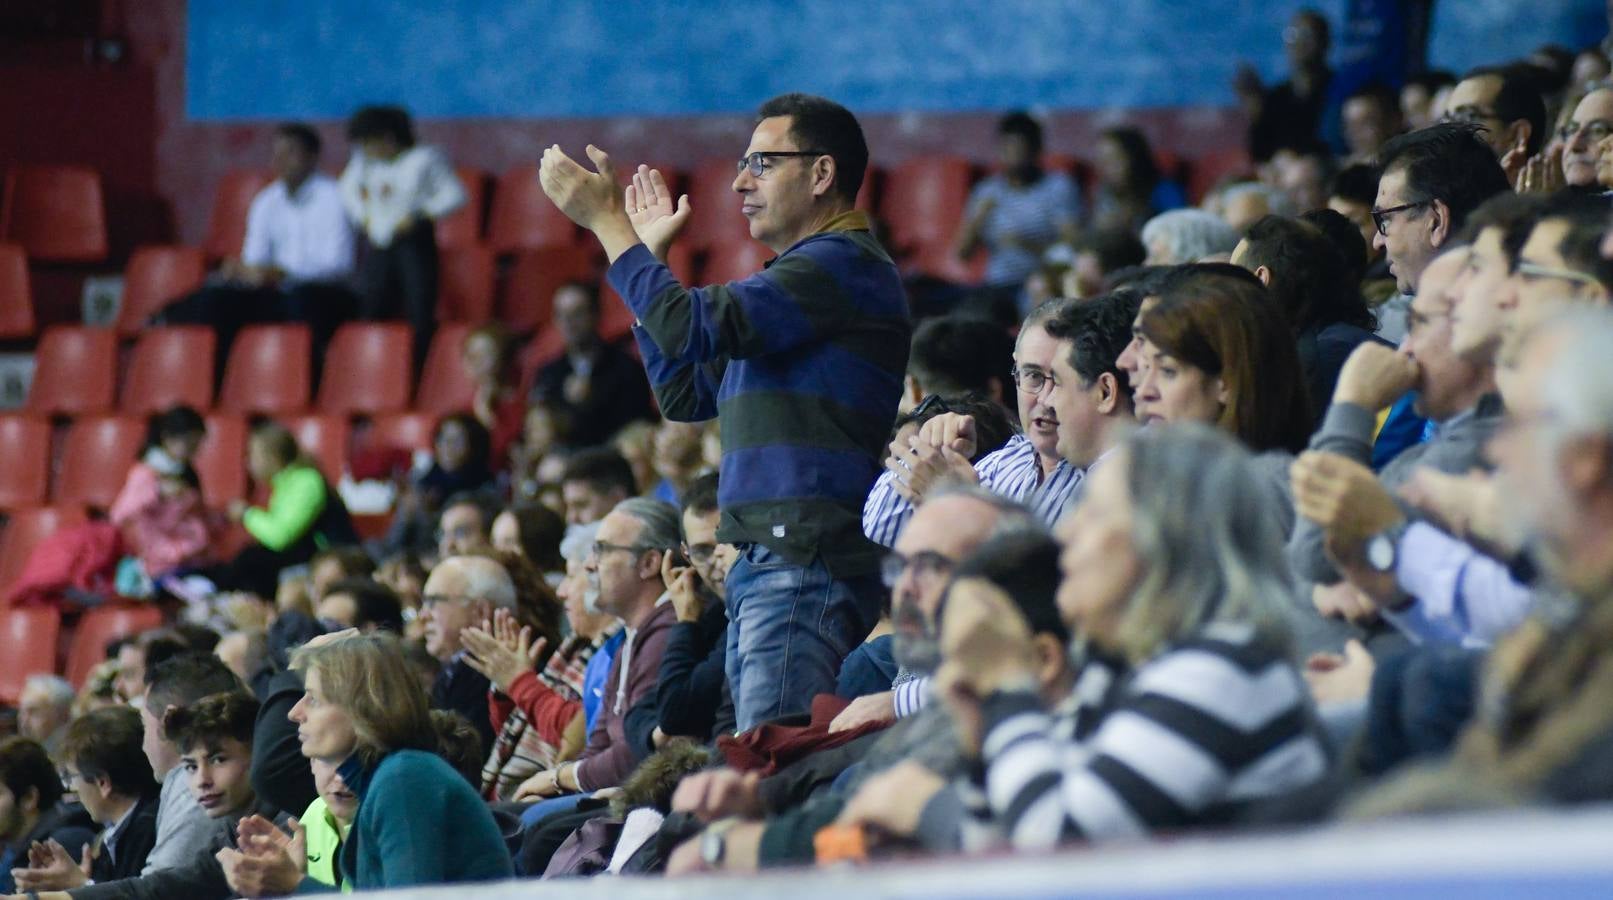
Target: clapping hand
{"x":1542,"y":174}
{"x":587,"y":198}
{"x":267,"y":861}
{"x":51,"y":868}
{"x":656,"y":219}
{"x":502,"y":650}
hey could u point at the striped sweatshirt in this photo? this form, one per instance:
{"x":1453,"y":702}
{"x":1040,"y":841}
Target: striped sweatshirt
{"x":802,"y":364}
{"x":1191,"y":738}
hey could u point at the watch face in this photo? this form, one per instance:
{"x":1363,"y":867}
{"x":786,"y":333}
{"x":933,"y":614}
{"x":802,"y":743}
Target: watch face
{"x":711,"y":847}
{"x":1381,"y":553}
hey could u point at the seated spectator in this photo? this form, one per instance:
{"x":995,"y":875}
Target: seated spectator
{"x":244,"y":652}
{"x":360,"y":603}
{"x":539,"y":458}
{"x":1351,"y":194}
{"x":1187,"y":236}
{"x":459,"y":466}
{"x":677,"y":459}
{"x":1509,"y":106}
{"x":1097,"y":255}
{"x":533,"y":531}
{"x":1303,"y":174}
{"x":1130,"y":188}
{"x":109,"y":774}
{"x":1592,"y":120}
{"x":1244,"y":204}
{"x":296,"y":263}
{"x":489,"y":359}
{"x":953,"y":356}
{"x":1559,"y":264}
{"x":1417,"y":98}
{"x":1370,"y":116}
{"x":597,"y":387}
{"x":214,"y":739}
{"x":32,"y":811}
{"x":303,"y":515}
{"x":1019,"y":212}
{"x":139,"y":655}
{"x":159,"y":511}
{"x":463,"y":591}
{"x":1094,"y":398}
{"x":394,"y":192}
{"x":44,"y":710}
{"x":593,"y":483}
{"x":464,"y":524}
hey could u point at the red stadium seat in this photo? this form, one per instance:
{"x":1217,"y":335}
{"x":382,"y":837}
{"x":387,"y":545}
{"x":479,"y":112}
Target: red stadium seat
{"x":25,"y":447}
{"x":268,"y":371}
{"x":221,"y":461}
{"x":156,"y":276}
{"x":57,"y":213}
{"x":232,"y":200}
{"x":28,"y":645}
{"x":715,"y":218}
{"x":16,"y":293}
{"x":523,"y":215}
{"x":96,"y":459}
{"x":170,"y":366}
{"x":444,"y":385}
{"x":102,"y":625}
{"x":464,"y":227}
{"x":924,"y":200}
{"x":734,"y":261}
{"x":465,"y":280}
{"x":680,"y":259}
{"x":868,"y":194}
{"x":74,"y":371}
{"x":324,"y":438}
{"x":527,"y":301}
{"x":938,"y":261}
{"x":23,"y":531}
{"x":402,"y":431}
{"x":370,"y":372}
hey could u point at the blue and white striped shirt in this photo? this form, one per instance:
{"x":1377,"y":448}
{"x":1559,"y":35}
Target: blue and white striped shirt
{"x":1015,"y":472}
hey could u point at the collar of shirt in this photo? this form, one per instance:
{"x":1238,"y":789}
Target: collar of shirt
{"x":109,"y":840}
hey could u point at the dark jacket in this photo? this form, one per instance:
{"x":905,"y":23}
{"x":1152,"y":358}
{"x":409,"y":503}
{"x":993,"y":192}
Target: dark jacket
{"x":618,"y":395}
{"x":130,"y":845}
{"x":201,"y":879}
{"x":65,"y":823}
{"x":280,"y":773}
{"x":689,"y":691}
{"x":463,"y":690}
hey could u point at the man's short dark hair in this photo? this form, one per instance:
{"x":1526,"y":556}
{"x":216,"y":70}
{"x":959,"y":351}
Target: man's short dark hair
{"x":1446,"y":162}
{"x":160,"y":645}
{"x":185,"y":679}
{"x":1024,"y":563}
{"x":1581,"y":247}
{"x":354,"y":562}
{"x":1518,"y":98}
{"x":604,"y":470}
{"x":700,"y":497}
{"x":1020,"y":124}
{"x":373,"y":603}
{"x":1115,"y":248}
{"x":1310,"y":279}
{"x":211,"y":720}
{"x":1357,"y":183}
{"x":822,"y":125}
{"x":958,"y":355}
{"x":1514,"y":214}
{"x":303,"y":135}
{"x":483,"y":503}
{"x":107,"y":743}
{"x":25,"y":766}
{"x":375,"y":122}
{"x":1346,"y":239}
{"x":1099,"y":331}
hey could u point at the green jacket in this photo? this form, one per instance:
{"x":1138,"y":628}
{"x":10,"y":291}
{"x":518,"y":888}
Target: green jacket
{"x":324,"y":838}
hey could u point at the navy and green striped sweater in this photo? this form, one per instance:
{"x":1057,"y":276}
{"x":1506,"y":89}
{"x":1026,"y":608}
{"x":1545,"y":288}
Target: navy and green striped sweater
{"x":802,"y":364}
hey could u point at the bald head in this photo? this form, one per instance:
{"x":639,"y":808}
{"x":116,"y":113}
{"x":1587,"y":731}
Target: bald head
{"x":462,"y":591}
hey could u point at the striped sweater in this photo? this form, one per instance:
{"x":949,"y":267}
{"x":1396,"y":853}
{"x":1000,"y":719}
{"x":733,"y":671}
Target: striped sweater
{"x":802,"y":363}
{"x":1191,"y":738}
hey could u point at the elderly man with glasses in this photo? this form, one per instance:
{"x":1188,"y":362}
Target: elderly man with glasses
{"x":805,"y":362}
{"x":1592,"y":121}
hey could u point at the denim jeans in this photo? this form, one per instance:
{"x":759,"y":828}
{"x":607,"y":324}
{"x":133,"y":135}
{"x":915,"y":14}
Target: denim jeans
{"x":789,"y":628}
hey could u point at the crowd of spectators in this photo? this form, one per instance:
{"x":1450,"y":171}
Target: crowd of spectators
{"x":1291,"y":506}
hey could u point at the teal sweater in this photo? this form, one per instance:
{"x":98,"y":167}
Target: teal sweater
{"x":419,"y":823}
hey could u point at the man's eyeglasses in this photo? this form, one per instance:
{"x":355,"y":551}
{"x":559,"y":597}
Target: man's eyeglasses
{"x":1380,"y":217}
{"x":1534,"y":272}
{"x":933,"y":405}
{"x":700,"y":554}
{"x":601,"y":548}
{"x":756,"y":163}
{"x":432,"y":601}
{"x":1031,"y":381}
{"x":926,"y":564}
{"x":1595,"y":130}
{"x":1471,"y":115}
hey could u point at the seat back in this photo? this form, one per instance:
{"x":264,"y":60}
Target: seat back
{"x":232,"y":200}
{"x":369,"y":369}
{"x":465,"y":281}
{"x":445,"y":386}
{"x":28,"y":645}
{"x":23,"y":532}
{"x":25,"y":449}
{"x":96,"y":458}
{"x":527,"y":301}
{"x":170,"y":366}
{"x":221,"y":461}
{"x":924,"y":199}
{"x":714,"y":218}
{"x":156,"y":276}
{"x":324,"y":439}
{"x":734,"y":261}
{"x":268,"y":372}
{"x":74,"y":370}
{"x":524,"y":216}
{"x":16,"y":293}
{"x":102,"y":625}
{"x":463,"y":228}
{"x":402,"y":431}
{"x":57,"y":213}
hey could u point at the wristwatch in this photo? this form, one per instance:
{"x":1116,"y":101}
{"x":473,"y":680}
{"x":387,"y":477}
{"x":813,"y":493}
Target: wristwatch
{"x":714,"y":842}
{"x":1383,"y":548}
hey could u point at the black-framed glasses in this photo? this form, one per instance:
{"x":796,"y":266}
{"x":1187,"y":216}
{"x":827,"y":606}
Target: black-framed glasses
{"x":1380,"y":217}
{"x":925,"y":564}
{"x":756,"y":163}
{"x":1595,"y":130}
{"x":602,"y":547}
{"x":1032,"y":381}
{"x":933,"y":405}
{"x":1536,"y":272}
{"x":1471,"y":115}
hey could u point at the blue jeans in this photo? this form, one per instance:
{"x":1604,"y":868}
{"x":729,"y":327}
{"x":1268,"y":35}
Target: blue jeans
{"x":789,"y":628}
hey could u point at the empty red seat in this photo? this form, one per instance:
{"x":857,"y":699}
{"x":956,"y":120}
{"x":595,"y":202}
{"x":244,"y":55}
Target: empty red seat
{"x":367,"y":369}
{"x":96,"y":459}
{"x":527,"y":301}
{"x":102,"y":625}
{"x":25,"y":474}
{"x":615,"y":317}
{"x":56,"y":213}
{"x":324,"y":439}
{"x":402,"y":431}
{"x":221,"y":461}
{"x":170,"y":367}
{"x":524,"y":216}
{"x":445,"y":387}
{"x":715,"y":217}
{"x":16,"y":293}
{"x":28,"y":645}
{"x":24,"y":530}
{"x":938,"y":261}
{"x":74,"y":370}
{"x":924,"y":199}
{"x":465,"y":279}
{"x":733,"y":261}
{"x":157,"y":276}
{"x":232,"y":200}
{"x":463,"y":228}
{"x":268,"y":371}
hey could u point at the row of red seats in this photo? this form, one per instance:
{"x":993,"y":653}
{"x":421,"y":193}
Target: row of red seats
{"x":29,"y":639}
